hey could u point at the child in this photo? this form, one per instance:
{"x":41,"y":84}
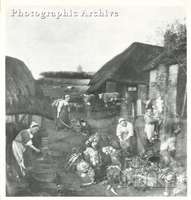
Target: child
{"x":170,"y":144}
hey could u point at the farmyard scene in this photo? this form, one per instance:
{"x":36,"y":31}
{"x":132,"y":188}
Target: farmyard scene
{"x":96,"y":101}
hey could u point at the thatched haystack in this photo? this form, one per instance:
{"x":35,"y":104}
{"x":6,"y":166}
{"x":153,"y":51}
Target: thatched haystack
{"x":126,"y":67}
{"x":23,"y":95}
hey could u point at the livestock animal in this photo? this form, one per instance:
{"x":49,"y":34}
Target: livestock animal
{"x":70,"y":87}
{"x":108,"y":97}
{"x":79,"y":107}
{"x":73,"y":106}
{"x":79,"y":104}
{"x":89,"y":101}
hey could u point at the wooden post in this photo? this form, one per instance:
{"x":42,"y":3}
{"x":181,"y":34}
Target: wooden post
{"x":29,"y":119}
{"x":43,"y":123}
{"x":16,"y":118}
{"x":22,"y":118}
{"x":184,"y":102}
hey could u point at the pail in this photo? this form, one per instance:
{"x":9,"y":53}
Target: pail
{"x":39,"y":155}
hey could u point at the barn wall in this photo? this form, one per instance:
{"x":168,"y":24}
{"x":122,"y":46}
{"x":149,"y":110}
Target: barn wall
{"x":111,"y":86}
{"x":25,"y":120}
{"x":157,"y":81}
{"x":172,"y":89}
{"x":142,"y":92}
{"x":10,"y":118}
{"x":121,"y":89}
{"x":140,"y":107}
{"x":167,"y":83}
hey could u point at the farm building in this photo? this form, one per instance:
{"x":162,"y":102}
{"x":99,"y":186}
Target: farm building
{"x":169,"y":79}
{"x":124,"y":73}
{"x":24,"y":98}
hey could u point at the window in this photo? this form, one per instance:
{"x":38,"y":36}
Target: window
{"x":132,"y":89}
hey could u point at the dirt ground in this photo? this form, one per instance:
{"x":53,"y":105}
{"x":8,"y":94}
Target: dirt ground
{"x":62,"y":142}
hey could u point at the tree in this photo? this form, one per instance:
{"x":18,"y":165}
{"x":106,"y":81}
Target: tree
{"x":175,"y":43}
{"x":175,"y":49}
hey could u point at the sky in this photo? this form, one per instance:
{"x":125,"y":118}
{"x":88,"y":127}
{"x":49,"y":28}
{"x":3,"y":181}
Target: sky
{"x":60,"y":43}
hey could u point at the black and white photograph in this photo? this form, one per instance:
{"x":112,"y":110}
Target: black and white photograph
{"x":95,"y":99}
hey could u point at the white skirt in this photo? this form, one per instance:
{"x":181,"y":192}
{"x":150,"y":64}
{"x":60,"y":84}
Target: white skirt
{"x":18,"y":150}
{"x":149,"y":129}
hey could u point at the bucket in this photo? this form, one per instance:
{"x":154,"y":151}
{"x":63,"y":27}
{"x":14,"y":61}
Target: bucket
{"x":58,"y":155}
{"x":45,"y":170}
{"x":39,"y":155}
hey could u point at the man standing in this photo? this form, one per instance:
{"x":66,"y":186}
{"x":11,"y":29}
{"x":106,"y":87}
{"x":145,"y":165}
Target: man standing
{"x":125,"y":133}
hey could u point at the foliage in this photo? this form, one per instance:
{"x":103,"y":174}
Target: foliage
{"x":160,"y":78}
{"x":175,"y":44}
{"x":67,"y":74}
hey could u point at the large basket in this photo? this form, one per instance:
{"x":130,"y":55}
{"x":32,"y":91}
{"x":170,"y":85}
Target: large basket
{"x":45,"y":170}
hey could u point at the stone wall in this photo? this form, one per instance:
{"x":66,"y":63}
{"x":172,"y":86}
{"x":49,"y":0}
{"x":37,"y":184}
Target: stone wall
{"x":157,"y":81}
{"x":165,"y":83}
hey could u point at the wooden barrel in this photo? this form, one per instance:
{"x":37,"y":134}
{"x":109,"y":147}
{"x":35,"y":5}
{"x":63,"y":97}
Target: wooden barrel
{"x":44,"y":143}
{"x":45,"y":170}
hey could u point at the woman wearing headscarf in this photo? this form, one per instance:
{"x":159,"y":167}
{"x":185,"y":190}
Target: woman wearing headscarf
{"x":63,"y":111}
{"x":22,"y":141}
{"x":125,"y":134}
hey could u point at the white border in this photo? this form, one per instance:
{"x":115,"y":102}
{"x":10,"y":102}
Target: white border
{"x":79,"y":3}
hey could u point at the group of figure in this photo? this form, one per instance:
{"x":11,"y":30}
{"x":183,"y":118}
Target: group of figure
{"x":153,"y":118}
{"x":63,"y":107}
{"x":152,"y":123}
{"x":96,"y":157}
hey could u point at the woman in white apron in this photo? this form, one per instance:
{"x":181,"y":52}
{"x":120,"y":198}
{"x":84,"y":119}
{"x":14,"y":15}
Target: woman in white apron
{"x":21,"y":142}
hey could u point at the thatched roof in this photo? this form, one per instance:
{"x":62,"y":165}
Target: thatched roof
{"x":153,"y":63}
{"x":23,"y":95}
{"x":163,"y":58}
{"x":126,"y":67}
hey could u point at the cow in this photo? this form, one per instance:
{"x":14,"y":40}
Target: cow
{"x":70,"y":87}
{"x":89,"y":101}
{"x":108,"y":97}
{"x":79,"y":107}
{"x":73,"y":106}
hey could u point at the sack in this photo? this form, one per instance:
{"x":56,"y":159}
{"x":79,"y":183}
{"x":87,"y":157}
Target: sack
{"x":55,"y":103}
{"x":72,"y":162}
